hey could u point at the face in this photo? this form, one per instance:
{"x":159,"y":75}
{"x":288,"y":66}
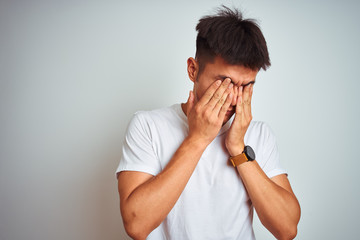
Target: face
{"x":219,"y":69}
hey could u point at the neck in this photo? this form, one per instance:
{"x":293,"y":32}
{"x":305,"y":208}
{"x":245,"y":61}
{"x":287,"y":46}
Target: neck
{"x":184,"y":107}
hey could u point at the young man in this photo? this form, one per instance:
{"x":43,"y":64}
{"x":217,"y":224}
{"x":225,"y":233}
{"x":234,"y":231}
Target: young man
{"x":196,"y":170}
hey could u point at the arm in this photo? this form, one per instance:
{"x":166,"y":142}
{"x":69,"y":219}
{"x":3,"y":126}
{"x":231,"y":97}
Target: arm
{"x":146,"y":200}
{"x":273,"y":199}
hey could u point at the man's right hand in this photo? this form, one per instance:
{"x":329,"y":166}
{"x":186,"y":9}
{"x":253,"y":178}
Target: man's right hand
{"x":206,"y":116}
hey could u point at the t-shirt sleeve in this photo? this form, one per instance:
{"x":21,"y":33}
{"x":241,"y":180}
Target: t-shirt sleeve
{"x":271,"y":165}
{"x":137,"y":151}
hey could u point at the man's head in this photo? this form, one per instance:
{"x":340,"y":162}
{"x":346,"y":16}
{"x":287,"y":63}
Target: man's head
{"x":238,"y":41}
{"x":227,"y":46}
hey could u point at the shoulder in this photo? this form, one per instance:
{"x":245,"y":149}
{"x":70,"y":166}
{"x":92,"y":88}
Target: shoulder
{"x":260,"y":129}
{"x":158,"y":113}
{"x":157,"y":117}
{"x":261,"y":133}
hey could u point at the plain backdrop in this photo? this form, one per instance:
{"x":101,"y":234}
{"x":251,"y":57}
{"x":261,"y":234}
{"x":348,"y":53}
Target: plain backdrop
{"x":72,"y":73}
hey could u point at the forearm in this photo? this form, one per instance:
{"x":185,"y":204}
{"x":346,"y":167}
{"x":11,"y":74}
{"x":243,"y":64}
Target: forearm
{"x":277,"y":208}
{"x":149,"y":204}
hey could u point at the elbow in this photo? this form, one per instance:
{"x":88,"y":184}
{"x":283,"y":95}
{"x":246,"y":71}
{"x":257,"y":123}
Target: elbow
{"x":291,"y":234}
{"x":137,"y":224}
{"x":132,"y":225}
{"x":290,"y":230}
{"x":137,"y":227}
{"x":135,"y":231}
{"x":288,"y":234}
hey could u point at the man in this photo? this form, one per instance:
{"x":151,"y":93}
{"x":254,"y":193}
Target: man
{"x":197,"y":170}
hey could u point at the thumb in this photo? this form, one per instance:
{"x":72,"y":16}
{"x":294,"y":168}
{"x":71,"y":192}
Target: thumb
{"x":190,"y":102}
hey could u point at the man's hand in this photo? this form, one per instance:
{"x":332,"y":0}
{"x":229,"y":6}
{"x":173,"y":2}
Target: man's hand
{"x":206,"y":116}
{"x":235,"y":137}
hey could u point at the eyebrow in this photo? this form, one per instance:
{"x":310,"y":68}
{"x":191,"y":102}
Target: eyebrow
{"x":223,"y":77}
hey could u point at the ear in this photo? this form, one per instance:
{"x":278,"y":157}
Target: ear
{"x":192,"y":68}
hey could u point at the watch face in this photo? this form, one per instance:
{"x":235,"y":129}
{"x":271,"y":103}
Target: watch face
{"x":249,"y":153}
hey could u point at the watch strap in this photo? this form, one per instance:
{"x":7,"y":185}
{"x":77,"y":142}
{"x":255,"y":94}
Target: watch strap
{"x":238,"y":159}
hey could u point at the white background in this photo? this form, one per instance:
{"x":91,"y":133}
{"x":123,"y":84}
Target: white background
{"x":72,"y":73}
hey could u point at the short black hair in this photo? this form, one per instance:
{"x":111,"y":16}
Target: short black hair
{"x":238,"y":41}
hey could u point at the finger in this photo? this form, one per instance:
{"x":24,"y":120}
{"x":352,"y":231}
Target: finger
{"x":234,"y":99}
{"x":190,"y":102}
{"x":246,"y":94}
{"x":209,"y":93}
{"x":239,"y":111}
{"x":218,"y":97}
{"x":225,"y":106}
{"x":247,"y":102}
{"x":239,"y":103}
{"x":251,"y":91}
{"x":222,"y":101}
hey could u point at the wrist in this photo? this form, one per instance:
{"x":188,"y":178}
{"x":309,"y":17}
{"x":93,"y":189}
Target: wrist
{"x":247,"y":155}
{"x":236,"y":150}
{"x":196,"y":142}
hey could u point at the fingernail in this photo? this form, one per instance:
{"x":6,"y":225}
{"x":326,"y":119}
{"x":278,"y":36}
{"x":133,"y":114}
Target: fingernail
{"x":228,"y":80}
{"x":230,"y":86}
{"x":218,"y":82}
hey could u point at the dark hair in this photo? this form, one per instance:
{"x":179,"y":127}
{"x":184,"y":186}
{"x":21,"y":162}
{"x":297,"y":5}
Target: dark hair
{"x":238,"y":41}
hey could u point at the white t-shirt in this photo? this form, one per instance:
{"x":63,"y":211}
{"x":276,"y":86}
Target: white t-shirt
{"x":214,"y":203}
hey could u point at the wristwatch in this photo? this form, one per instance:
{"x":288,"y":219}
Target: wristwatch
{"x":247,"y":155}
